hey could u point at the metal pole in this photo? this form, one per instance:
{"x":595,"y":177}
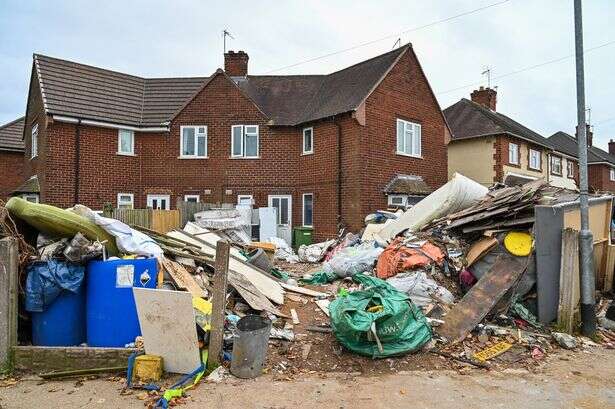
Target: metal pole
{"x":588,"y":283}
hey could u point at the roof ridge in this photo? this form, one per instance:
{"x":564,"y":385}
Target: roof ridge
{"x":399,"y":50}
{"x":36,"y":55}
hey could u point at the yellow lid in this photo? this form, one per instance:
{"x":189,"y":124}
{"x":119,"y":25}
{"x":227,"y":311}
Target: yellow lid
{"x":518,"y":243}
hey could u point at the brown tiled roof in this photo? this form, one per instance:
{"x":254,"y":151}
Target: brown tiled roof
{"x":11,"y":136}
{"x":567,"y":144}
{"x":468,"y":119}
{"x":29,"y":186}
{"x":86,"y":92}
{"x":407,"y":184}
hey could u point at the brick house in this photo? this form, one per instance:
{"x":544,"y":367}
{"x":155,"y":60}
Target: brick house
{"x":11,"y":157}
{"x":490,"y":147}
{"x":600,"y":164}
{"x":320,"y":148}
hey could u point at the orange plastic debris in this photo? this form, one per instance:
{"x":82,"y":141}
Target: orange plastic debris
{"x":397,"y":258}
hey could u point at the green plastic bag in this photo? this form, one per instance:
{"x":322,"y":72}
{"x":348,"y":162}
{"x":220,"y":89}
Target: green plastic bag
{"x":394,"y":326}
{"x":320,"y":277}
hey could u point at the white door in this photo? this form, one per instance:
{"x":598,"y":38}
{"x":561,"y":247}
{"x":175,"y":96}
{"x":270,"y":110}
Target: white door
{"x":159,"y":202}
{"x":283,"y":206}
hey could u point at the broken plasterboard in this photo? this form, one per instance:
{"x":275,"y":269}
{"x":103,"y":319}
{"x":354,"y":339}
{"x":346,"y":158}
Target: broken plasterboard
{"x":168,"y":326}
{"x":268,"y":223}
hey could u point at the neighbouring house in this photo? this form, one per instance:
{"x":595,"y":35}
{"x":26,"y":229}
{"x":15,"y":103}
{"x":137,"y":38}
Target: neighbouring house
{"x":319,"y":148}
{"x":490,"y":147}
{"x":11,"y":157}
{"x":600,"y":164}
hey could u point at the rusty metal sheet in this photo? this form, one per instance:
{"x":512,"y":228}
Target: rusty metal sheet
{"x":481,"y":298}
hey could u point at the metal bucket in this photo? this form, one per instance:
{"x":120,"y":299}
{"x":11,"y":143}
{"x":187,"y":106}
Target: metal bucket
{"x":250,"y":346}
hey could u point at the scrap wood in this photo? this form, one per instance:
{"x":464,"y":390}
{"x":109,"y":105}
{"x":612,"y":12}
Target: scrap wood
{"x":303,"y":290}
{"x":251,"y":294}
{"x":182,"y":277}
{"x":480,"y":248}
{"x":569,"y":282}
{"x":482,"y":297}
{"x":293,"y":314}
{"x":319,"y":328}
{"x":216,"y":338}
{"x":81,"y":372}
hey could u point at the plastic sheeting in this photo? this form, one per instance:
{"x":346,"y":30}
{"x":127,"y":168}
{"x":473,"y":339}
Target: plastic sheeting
{"x":314,"y":252}
{"x":127,"y":239}
{"x":457,"y":194}
{"x":47,"y":279}
{"x":421,"y":289}
{"x":353,"y":260}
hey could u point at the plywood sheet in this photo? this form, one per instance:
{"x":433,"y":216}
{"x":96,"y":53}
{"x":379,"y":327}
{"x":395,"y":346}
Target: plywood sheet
{"x":169,"y":328}
{"x":569,"y":291}
{"x":599,"y":219}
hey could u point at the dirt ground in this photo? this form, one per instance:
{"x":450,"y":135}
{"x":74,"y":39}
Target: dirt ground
{"x":576,"y":380}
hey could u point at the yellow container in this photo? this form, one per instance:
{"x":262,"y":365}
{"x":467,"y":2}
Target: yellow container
{"x":148,"y":368}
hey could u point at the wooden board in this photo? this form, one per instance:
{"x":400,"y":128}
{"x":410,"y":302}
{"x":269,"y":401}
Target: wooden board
{"x":216,"y":335}
{"x":609,"y":269}
{"x":303,"y":290}
{"x":183,"y":279}
{"x":599,"y":219}
{"x":569,"y":291}
{"x":481,"y":298}
{"x":259,"y":279}
{"x":480,"y":248}
{"x":168,"y":326}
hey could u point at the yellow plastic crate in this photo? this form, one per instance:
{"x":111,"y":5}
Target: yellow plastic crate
{"x":148,"y":368}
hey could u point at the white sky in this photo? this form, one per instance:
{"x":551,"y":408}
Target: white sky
{"x":183,"y":38}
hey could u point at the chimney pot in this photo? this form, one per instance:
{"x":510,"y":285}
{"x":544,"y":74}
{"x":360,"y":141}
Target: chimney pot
{"x":612,"y":147}
{"x":485,"y":96}
{"x":236,"y":63}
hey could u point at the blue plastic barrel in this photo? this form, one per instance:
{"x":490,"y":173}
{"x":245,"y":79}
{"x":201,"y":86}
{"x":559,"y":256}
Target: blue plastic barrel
{"x":63,"y":322}
{"x":111,"y":313}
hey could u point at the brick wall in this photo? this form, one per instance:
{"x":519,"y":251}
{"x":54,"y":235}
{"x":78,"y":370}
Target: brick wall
{"x":599,"y":178}
{"x":46,"y":359}
{"x":35,"y":115}
{"x":11,"y":172}
{"x":404,"y":94}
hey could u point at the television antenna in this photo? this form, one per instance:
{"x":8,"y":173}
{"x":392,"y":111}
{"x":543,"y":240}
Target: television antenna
{"x":226,"y":33}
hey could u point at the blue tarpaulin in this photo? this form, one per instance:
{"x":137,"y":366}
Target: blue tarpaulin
{"x":46,"y":279}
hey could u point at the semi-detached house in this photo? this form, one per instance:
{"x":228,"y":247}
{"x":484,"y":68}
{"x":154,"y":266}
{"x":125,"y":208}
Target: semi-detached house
{"x":322,"y":149}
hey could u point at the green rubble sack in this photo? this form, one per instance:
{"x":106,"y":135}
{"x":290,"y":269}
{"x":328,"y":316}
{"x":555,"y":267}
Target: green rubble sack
{"x":399,"y":325}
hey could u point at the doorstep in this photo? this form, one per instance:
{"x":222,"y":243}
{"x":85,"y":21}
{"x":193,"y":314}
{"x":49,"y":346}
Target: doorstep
{"x":44,"y":359}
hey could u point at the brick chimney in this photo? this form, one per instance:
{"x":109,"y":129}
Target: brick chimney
{"x":236,"y":63}
{"x":485,"y":97}
{"x":612,"y":147}
{"x":589,"y":135}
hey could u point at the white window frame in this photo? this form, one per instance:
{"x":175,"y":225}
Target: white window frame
{"x":197,"y":197}
{"x":311,"y":150}
{"x":561,"y":170}
{"x":242,"y":197}
{"x":34,"y":141}
{"x":538,"y":156}
{"x":196,"y":137}
{"x":28,"y":196}
{"x":243,"y":142}
{"x":570,"y":169}
{"x":404,"y":199}
{"x":416,"y":129}
{"x":513,"y":148}
{"x":612,"y":174}
{"x":119,"y":142}
{"x":303,"y":209}
{"x":132,"y":199}
{"x":150,"y":199}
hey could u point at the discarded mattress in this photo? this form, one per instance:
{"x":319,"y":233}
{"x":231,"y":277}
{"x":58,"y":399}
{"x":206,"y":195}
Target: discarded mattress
{"x":457,"y":194}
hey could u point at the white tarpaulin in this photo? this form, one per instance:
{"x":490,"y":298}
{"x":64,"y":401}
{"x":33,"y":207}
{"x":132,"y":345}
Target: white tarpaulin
{"x":457,"y":194}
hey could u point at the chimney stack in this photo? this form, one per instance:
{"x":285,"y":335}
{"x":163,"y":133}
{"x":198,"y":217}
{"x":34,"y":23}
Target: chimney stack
{"x":589,"y":135}
{"x":236,"y":63}
{"x":612,"y":147}
{"x":485,"y":96}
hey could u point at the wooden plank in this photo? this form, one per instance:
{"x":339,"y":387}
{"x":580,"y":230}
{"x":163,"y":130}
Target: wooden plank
{"x":609,"y":270}
{"x":480,"y":248}
{"x":216,"y":337}
{"x":569,"y":291}
{"x":481,"y":298}
{"x":167,"y":324}
{"x":251,"y":295}
{"x":324,"y":306}
{"x":303,"y":290}
{"x":295,"y":316}
{"x":183,"y":279}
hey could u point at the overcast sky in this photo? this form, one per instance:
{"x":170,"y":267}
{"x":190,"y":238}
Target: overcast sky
{"x":183,"y":38}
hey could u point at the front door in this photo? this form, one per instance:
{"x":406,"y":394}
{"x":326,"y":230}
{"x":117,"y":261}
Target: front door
{"x":159,"y":202}
{"x":283,"y":206}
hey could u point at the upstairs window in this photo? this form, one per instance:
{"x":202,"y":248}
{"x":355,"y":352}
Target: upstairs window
{"x":308,"y":141}
{"x":570,"y":169}
{"x":34,"y":140}
{"x":513,"y":153}
{"x":193,"y":142}
{"x":125,"y":200}
{"x":535,"y":160}
{"x":125,"y":142}
{"x":408,"y":138}
{"x":244,"y":141}
{"x":556,"y":165}
{"x":612,"y":175}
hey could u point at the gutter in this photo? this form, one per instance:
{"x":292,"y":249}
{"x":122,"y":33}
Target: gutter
{"x":73,"y":120}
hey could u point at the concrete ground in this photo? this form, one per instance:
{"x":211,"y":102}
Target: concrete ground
{"x":583,"y":380}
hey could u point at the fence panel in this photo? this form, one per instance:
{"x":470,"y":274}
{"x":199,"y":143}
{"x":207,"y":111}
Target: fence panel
{"x":134,"y":217}
{"x":188,"y":209}
{"x":163,"y":221}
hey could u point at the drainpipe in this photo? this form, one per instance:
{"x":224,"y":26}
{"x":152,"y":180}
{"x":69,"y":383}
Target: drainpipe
{"x":339,"y":173}
{"x":77,"y":158}
{"x":586,"y":260}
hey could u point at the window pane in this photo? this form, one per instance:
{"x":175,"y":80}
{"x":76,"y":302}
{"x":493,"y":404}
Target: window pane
{"x":251,"y":129}
{"x":307,"y":140}
{"x":308,"y":204}
{"x":237,"y":141}
{"x":409,"y":136}
{"x":400,"y":136}
{"x":202,"y":145}
{"x":284,"y":211}
{"x":251,"y":144}
{"x":126,"y":141}
{"x":417,"y":140}
{"x":188,"y":142}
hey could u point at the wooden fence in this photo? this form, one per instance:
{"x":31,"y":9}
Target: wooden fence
{"x":187,"y":210}
{"x":161,"y":221}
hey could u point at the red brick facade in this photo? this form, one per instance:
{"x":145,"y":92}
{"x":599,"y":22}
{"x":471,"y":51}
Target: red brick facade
{"x":599,"y":178}
{"x":11,"y":169}
{"x":366,"y":148}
